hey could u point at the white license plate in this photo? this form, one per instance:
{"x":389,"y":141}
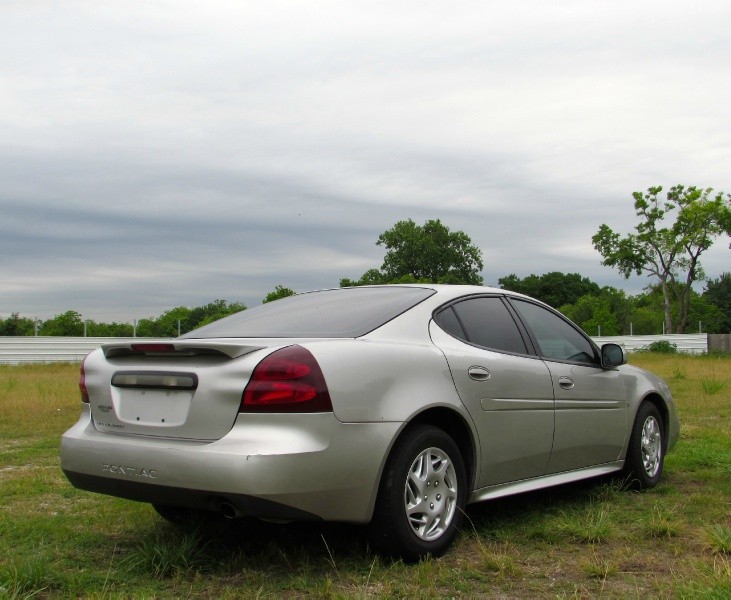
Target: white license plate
{"x":154,"y":407}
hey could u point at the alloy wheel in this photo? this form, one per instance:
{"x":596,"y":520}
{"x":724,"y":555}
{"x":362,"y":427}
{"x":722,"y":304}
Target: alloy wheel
{"x":430,"y":494}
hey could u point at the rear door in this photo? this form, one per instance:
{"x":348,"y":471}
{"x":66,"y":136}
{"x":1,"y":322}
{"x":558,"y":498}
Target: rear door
{"x":506,"y":390}
{"x":591,"y":402}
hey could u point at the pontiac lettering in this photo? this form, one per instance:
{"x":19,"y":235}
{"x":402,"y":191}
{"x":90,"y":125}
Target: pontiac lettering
{"x":130,"y":471}
{"x":108,"y":425}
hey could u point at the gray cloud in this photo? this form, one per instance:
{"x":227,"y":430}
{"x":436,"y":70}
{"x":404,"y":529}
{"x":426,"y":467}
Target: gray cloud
{"x":165,"y":154}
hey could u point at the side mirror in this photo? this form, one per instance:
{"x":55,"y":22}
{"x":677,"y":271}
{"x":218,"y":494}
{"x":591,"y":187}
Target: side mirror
{"x":613,"y":355}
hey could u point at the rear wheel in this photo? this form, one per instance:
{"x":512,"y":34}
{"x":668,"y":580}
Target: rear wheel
{"x":646,"y":450}
{"x":422,"y":495}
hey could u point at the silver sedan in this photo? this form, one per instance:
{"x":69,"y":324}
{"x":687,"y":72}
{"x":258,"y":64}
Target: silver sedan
{"x":389,"y":405}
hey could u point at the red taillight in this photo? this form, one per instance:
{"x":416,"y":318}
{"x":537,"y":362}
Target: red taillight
{"x":288,"y":380}
{"x":82,"y":383}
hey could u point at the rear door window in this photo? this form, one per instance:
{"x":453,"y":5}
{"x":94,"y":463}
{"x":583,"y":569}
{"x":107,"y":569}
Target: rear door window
{"x":484,"y":322}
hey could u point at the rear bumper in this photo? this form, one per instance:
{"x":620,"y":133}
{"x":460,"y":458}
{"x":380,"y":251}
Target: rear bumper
{"x":284,"y":466}
{"x":226,"y":502}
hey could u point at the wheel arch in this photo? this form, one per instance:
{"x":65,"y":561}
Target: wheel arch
{"x":454,"y":424}
{"x":392,"y":531}
{"x":662,"y":408}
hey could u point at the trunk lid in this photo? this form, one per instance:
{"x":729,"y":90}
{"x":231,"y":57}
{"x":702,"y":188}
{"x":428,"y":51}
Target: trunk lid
{"x":182,"y":389}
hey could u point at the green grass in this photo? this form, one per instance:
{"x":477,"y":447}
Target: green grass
{"x":592,"y":539}
{"x":712,"y":386}
{"x":720,"y":539}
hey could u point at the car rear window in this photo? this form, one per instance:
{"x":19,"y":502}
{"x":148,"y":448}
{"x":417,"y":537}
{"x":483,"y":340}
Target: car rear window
{"x":344,"y":312}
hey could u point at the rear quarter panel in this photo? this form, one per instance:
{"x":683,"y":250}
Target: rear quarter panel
{"x":372,"y":381}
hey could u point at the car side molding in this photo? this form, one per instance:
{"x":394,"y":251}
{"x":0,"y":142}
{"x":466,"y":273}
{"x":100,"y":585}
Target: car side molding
{"x":545,"y":481}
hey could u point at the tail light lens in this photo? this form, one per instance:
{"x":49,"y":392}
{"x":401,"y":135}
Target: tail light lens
{"x":82,"y":383}
{"x":287,"y":381}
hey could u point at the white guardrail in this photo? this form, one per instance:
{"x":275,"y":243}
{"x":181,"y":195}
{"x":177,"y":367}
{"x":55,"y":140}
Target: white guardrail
{"x":22,"y":350}
{"x":689,"y":343}
{"x":41,"y":349}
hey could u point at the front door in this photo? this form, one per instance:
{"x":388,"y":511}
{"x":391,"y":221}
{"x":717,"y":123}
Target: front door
{"x":591,"y":402}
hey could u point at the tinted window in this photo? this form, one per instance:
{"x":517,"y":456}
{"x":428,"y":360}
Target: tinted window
{"x":556,"y":338}
{"x":345,"y":312}
{"x":448,"y":321}
{"x":486,"y":322}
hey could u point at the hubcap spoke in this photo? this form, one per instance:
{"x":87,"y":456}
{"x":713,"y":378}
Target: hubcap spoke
{"x":430,"y":494}
{"x":651,"y":446}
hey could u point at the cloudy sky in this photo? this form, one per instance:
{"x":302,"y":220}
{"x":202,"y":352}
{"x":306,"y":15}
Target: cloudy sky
{"x":165,"y":153}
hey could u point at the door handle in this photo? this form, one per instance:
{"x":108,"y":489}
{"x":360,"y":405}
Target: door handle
{"x":566,"y":383}
{"x":478,"y":373}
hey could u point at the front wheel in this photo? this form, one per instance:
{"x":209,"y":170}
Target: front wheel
{"x":422,"y":495}
{"x":646,"y":450}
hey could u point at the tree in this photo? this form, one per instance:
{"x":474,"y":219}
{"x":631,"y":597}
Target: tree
{"x":669,"y":252}
{"x":278,"y":293}
{"x":17,"y":325}
{"x":718,"y":293}
{"x":172,"y":322}
{"x":66,"y":324}
{"x":555,"y":289}
{"x":706,"y":317}
{"x":147,"y":328}
{"x":213,"y":311}
{"x":166,"y":325}
{"x":109,"y":329}
{"x":608,"y":310}
{"x":646,"y":320}
{"x":620,"y":306}
{"x":428,"y":253}
{"x":370,"y":277}
{"x":183,"y":319}
{"x":594,"y":315}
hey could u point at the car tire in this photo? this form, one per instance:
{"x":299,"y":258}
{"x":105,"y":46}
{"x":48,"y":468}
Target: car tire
{"x":422,"y":496}
{"x":646,"y":449}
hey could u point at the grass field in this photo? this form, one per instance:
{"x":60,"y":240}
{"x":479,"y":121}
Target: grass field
{"x":589,"y":540}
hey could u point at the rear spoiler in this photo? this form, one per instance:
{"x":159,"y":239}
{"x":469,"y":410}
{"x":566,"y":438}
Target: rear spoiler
{"x":178,"y":348}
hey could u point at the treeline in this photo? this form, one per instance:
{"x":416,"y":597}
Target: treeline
{"x":598,"y":310}
{"x":610,"y":311}
{"x":172,"y":323}
{"x":177,"y":320}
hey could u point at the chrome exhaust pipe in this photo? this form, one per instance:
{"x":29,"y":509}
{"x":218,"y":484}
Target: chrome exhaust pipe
{"x":228,"y":510}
